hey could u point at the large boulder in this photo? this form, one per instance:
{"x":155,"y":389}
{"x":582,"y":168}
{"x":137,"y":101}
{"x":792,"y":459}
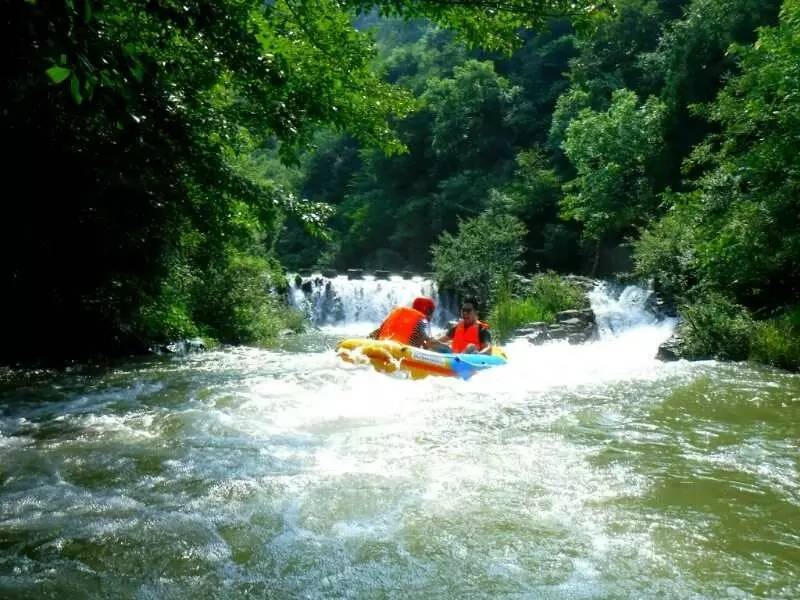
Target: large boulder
{"x":671,"y":350}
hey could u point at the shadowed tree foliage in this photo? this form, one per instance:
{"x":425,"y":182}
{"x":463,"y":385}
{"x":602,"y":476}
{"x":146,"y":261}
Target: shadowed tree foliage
{"x":143,"y":138}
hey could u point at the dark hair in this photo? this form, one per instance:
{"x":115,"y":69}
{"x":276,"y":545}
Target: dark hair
{"x":470,"y":300}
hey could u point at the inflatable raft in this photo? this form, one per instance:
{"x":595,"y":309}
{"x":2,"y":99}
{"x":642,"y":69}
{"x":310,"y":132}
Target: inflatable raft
{"x":387,"y":356}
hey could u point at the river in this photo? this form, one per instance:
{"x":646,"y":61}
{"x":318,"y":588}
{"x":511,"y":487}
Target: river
{"x":573,"y":472}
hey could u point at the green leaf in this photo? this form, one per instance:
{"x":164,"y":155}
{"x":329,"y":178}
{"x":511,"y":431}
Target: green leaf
{"x":75,"y":88}
{"x":58,"y":74}
{"x":137,"y":71}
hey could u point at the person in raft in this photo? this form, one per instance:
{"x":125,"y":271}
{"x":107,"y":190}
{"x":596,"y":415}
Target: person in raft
{"x":410,"y":326}
{"x":469,"y":335}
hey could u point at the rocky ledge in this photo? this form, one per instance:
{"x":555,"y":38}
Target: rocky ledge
{"x":575,"y":326}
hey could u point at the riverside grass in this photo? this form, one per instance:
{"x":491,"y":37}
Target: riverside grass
{"x":547,"y":295}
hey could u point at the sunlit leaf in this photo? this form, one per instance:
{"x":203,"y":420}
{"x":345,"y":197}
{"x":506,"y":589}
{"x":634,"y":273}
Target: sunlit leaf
{"x":58,"y":74}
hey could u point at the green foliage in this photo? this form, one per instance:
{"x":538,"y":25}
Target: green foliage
{"x":692,"y":62}
{"x":777,"y":341}
{"x":737,"y":232}
{"x":664,"y":250}
{"x":692,"y":56}
{"x":610,"y":59}
{"x":508,"y":312}
{"x":469,"y":115}
{"x":476,"y":117}
{"x":611,"y":152}
{"x":174,"y":137}
{"x":533,"y":196}
{"x":715,"y":327}
{"x":493,"y":26}
{"x":554,"y":294}
{"x":167,"y":316}
{"x":158,"y":124}
{"x":568,"y":106}
{"x":485,"y":248}
{"x":548,"y":295}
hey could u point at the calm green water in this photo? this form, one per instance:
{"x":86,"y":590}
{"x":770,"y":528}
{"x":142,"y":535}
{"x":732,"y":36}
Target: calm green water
{"x":574,"y":472}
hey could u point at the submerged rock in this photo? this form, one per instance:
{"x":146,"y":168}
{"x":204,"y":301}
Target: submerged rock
{"x":180,"y":347}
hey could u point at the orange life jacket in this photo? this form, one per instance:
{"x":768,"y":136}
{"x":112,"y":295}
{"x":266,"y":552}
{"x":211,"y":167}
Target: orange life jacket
{"x":463,"y":336}
{"x":400,"y":324}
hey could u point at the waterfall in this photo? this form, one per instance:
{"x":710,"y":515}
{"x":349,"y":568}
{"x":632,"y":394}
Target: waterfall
{"x":342,"y":302}
{"x":358,"y":304}
{"x":618,"y":310}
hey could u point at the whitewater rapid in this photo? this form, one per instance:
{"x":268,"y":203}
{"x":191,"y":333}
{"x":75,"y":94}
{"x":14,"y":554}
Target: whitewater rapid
{"x":588,"y":471}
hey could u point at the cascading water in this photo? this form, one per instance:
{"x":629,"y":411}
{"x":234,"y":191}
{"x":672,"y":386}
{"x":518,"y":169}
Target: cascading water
{"x":627,"y":309}
{"x":575,"y":471}
{"x":348,"y":303}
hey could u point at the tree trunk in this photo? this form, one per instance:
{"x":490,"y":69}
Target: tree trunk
{"x":596,"y":260}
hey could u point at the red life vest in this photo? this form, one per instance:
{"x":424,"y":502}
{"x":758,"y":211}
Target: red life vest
{"x":400,"y":324}
{"x":464,"y":336}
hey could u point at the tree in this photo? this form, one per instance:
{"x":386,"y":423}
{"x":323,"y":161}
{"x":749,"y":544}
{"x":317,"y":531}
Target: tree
{"x":470,"y":116}
{"x":134,"y":126}
{"x":739,"y":225}
{"x":611,"y":152}
{"x":485,"y":248}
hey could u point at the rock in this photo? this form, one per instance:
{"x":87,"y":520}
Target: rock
{"x":585,"y":283}
{"x":573,"y":323}
{"x":574,"y":330}
{"x":660,"y":307}
{"x":577,"y":338}
{"x":381,"y":274}
{"x":671,"y":349}
{"x":407,"y":274}
{"x":355,"y":273}
{"x":196,"y":345}
{"x":538,"y":337}
{"x":532,"y":328}
{"x":180,"y":347}
{"x":330,"y":273}
{"x":585,"y":315}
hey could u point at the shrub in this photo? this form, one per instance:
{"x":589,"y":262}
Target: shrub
{"x":237,"y":300}
{"x":468,"y":263}
{"x":548,"y":294}
{"x":715,"y":327}
{"x":555,"y":293}
{"x":777,"y":341}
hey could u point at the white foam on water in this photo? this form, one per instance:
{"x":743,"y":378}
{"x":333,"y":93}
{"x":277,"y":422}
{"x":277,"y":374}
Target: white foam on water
{"x":323,"y":470}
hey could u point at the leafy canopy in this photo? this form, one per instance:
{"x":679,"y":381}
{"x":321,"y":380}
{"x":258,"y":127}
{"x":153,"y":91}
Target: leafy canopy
{"x":611,"y":152}
{"x":485,"y":248}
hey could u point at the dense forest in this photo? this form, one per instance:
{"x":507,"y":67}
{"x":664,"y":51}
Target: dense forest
{"x":167,"y":161}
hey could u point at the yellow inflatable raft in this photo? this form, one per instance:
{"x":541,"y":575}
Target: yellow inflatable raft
{"x":387,"y":356}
